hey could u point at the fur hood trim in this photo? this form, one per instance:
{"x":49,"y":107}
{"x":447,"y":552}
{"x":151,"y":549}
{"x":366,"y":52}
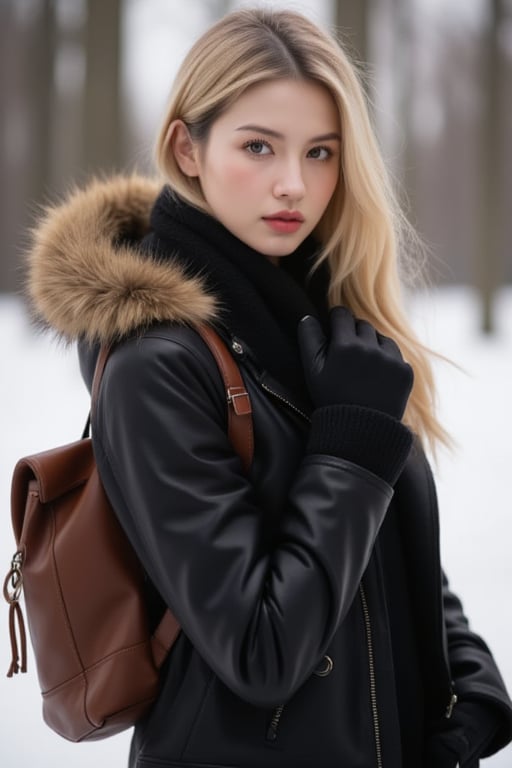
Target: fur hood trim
{"x":82,"y":285}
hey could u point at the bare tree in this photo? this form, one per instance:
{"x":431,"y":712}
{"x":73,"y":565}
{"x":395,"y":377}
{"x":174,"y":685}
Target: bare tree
{"x":40,"y":86}
{"x":489,"y":270}
{"x":27,"y":95}
{"x":103,"y":134}
{"x":351,"y":20}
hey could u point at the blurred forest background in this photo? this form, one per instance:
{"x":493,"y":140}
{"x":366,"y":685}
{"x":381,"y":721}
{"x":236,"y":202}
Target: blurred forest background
{"x":83,"y":84}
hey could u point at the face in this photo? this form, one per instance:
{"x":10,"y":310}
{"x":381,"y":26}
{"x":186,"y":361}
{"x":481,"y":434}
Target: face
{"x":271,"y":163}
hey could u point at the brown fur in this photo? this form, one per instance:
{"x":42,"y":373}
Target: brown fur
{"x":82,"y":285}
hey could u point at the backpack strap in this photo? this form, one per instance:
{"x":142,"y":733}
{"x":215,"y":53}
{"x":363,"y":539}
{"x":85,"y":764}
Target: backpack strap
{"x":98,"y":374}
{"x":240,"y":430}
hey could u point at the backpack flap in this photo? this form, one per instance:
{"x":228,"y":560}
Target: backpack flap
{"x":56,"y":472}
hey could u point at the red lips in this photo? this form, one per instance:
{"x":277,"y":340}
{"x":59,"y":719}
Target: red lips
{"x":286,"y":216}
{"x":284,"y":222}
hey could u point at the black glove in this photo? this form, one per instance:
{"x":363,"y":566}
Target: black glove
{"x":356,"y":366}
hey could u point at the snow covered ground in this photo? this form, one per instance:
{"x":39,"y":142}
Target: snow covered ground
{"x":43,"y":402}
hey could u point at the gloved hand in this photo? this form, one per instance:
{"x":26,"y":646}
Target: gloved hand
{"x":355,"y":366}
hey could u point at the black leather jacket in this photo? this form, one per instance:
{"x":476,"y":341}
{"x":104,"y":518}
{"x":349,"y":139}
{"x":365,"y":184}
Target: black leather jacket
{"x":274,"y":576}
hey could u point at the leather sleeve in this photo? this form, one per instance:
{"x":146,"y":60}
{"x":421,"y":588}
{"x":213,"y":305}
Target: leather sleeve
{"x":475,"y":674}
{"x":261,"y":618}
{"x":471,"y":668}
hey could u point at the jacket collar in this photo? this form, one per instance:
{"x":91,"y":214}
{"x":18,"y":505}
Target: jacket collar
{"x":88,"y":280}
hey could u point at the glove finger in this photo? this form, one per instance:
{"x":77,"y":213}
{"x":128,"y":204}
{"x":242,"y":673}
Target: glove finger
{"x":366,"y":333}
{"x":389,"y":346}
{"x":343,"y":325}
{"x":311,"y":340}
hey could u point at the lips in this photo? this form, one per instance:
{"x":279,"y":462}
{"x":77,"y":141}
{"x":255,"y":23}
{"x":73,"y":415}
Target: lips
{"x":284,"y":222}
{"x":285,"y":216}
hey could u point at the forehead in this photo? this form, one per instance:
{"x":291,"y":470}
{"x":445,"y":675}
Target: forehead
{"x":287,"y":106}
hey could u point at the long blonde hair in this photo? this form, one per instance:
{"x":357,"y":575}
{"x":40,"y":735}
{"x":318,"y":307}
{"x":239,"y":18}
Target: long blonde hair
{"x":362,"y":231}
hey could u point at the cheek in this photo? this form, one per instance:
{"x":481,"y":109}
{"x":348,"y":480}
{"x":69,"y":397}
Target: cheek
{"x":237,"y":175}
{"x":328,"y":185}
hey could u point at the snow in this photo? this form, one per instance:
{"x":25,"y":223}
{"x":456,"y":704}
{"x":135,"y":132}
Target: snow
{"x":43,"y":402}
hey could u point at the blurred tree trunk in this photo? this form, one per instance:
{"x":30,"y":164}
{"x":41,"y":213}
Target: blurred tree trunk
{"x":103,"y":149}
{"x":351,"y":19}
{"x":356,"y":21}
{"x":9,"y":84}
{"x":40,"y":86}
{"x":404,"y":14}
{"x":27,"y":81}
{"x":489,"y":271}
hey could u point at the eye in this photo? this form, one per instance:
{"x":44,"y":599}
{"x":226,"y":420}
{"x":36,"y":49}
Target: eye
{"x":258,"y":147}
{"x":320,"y":153}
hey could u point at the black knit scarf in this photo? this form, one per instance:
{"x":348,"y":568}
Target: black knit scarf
{"x":261,"y":303}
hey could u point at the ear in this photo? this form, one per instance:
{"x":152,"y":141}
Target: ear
{"x":179,"y":142}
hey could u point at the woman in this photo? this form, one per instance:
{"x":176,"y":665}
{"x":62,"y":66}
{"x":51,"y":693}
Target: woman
{"x":318,"y":628}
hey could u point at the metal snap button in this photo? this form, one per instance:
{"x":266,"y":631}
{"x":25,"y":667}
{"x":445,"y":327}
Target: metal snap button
{"x":326,"y":667}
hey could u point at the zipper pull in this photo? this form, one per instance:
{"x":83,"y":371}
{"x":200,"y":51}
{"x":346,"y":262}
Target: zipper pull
{"x":274,"y":723}
{"x":451,"y":704}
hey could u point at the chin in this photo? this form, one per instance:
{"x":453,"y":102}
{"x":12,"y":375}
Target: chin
{"x":280,"y":249}
{"x":282,"y":252}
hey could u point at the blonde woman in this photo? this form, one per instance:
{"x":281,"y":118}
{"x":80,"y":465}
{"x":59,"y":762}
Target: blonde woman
{"x":318,"y":629}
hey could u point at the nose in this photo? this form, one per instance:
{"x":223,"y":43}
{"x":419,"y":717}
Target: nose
{"x":289,"y":182}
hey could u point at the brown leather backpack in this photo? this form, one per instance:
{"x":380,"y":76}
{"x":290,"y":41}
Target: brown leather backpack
{"x":85,"y":590}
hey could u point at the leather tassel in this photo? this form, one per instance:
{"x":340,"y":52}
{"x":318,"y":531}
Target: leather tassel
{"x":13,"y":586}
{"x":18,"y":640}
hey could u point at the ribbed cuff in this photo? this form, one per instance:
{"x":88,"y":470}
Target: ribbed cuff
{"x":372,"y":439}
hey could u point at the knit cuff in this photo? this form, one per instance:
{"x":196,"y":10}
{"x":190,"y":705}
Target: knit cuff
{"x":372,"y":439}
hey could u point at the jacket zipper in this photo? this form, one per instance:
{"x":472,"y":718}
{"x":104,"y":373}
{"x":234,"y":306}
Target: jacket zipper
{"x":278,"y":711}
{"x":371,"y":668}
{"x":285,"y":401}
{"x":239,"y":350}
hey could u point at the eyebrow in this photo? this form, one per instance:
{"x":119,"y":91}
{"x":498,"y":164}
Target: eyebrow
{"x":276,"y":135}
